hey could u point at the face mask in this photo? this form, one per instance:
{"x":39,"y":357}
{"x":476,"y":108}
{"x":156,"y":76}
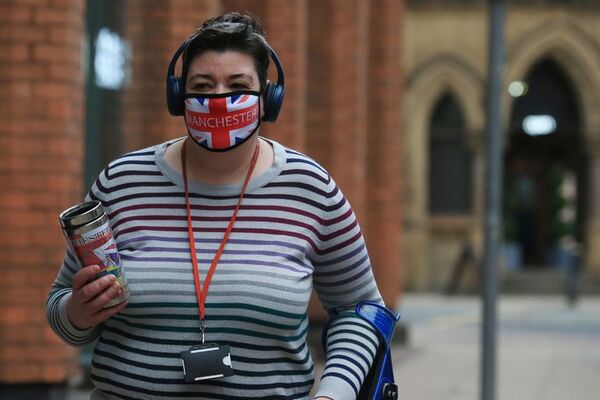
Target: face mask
{"x":221,"y":122}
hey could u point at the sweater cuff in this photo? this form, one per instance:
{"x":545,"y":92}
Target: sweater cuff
{"x":74,"y":335}
{"x":335,"y":388}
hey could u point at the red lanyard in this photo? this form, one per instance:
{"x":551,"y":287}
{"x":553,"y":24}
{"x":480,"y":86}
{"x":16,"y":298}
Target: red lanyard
{"x":202,"y":291}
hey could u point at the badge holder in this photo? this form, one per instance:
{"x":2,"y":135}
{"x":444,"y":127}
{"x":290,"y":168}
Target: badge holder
{"x":208,"y":361}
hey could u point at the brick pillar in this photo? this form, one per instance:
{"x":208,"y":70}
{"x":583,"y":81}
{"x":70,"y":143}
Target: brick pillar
{"x":155,"y":29}
{"x":41,"y":129}
{"x":337,"y":93}
{"x":287,"y":33}
{"x":336,"y":85}
{"x":384,"y":146}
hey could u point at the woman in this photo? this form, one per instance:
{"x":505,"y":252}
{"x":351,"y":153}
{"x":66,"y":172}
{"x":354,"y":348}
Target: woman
{"x":172,"y":203}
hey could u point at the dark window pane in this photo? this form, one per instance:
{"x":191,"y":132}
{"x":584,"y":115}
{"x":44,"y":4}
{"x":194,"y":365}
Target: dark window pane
{"x":103,"y":112}
{"x":449,"y":161}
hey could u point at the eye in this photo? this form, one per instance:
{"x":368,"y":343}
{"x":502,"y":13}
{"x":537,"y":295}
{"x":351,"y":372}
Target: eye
{"x":240,"y":86}
{"x":200,"y":86}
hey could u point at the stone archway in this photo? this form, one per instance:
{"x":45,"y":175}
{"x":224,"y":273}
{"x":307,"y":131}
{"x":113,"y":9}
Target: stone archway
{"x":575,"y":52}
{"x":433,"y":79}
{"x":578,"y":55}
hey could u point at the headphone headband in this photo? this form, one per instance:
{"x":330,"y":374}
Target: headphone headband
{"x":273,"y":93}
{"x":275,"y":58}
{"x":180,"y":50}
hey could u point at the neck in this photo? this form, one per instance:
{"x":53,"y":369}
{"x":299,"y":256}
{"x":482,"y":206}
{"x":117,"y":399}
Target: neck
{"x":219,"y":167}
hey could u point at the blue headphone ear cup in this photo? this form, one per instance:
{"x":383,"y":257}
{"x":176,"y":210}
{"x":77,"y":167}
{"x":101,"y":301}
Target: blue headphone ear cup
{"x":273,"y":99}
{"x":175,"y":101}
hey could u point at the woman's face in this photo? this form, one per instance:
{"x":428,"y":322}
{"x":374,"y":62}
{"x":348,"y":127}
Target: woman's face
{"x":216,"y":72}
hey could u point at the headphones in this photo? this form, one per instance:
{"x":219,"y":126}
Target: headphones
{"x":272,"y":96}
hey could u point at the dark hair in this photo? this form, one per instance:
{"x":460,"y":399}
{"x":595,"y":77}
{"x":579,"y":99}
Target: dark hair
{"x":232,"y":31}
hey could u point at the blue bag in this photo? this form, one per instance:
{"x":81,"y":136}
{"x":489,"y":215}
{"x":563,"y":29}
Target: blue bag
{"x":379,"y":383}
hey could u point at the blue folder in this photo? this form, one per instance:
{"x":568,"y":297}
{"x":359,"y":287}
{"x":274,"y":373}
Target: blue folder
{"x":379,"y":383}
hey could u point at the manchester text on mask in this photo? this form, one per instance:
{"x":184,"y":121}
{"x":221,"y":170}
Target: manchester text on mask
{"x":231,"y":120}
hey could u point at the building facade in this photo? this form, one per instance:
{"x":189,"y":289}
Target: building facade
{"x":551,"y":135}
{"x":84,"y":81}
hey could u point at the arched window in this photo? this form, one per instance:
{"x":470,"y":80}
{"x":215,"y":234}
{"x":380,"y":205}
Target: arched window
{"x":449,"y":160}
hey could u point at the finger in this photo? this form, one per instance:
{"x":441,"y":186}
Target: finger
{"x":106,"y":313}
{"x":96,"y":288}
{"x":83,"y":276}
{"x":110,"y":292}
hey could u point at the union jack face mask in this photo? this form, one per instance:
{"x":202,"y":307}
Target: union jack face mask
{"x":221,"y":122}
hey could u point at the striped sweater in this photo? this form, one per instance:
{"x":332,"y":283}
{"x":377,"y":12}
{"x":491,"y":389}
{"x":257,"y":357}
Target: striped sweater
{"x":295,"y":231}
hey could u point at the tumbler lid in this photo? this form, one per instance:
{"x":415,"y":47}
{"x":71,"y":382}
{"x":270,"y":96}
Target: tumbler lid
{"x":81,"y":214}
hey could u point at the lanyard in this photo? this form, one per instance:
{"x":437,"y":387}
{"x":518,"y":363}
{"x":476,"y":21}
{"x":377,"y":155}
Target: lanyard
{"x":202,"y":291}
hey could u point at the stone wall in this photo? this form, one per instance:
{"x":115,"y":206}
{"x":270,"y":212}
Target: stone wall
{"x":446,"y":50}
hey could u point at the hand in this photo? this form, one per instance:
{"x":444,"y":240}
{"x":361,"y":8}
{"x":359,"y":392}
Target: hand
{"x":85,"y":307}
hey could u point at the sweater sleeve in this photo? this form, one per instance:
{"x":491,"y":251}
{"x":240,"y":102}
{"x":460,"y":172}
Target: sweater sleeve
{"x":56,"y":304}
{"x":343,"y":277}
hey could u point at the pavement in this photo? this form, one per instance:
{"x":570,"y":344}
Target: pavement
{"x":546,"y":350}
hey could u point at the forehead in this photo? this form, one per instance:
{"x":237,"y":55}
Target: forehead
{"x":222,"y":63}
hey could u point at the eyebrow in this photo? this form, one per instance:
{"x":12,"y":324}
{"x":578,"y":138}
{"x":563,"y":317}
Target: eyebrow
{"x":234,"y":76}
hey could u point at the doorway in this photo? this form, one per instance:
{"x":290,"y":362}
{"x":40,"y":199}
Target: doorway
{"x":544,"y":182}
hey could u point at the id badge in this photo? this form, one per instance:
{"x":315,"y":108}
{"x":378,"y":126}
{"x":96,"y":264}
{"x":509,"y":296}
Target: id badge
{"x":208,"y":361}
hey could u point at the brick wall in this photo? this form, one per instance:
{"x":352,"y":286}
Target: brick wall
{"x":342,"y":107}
{"x":41,"y":134}
{"x":384,"y":174}
{"x":337,"y":82}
